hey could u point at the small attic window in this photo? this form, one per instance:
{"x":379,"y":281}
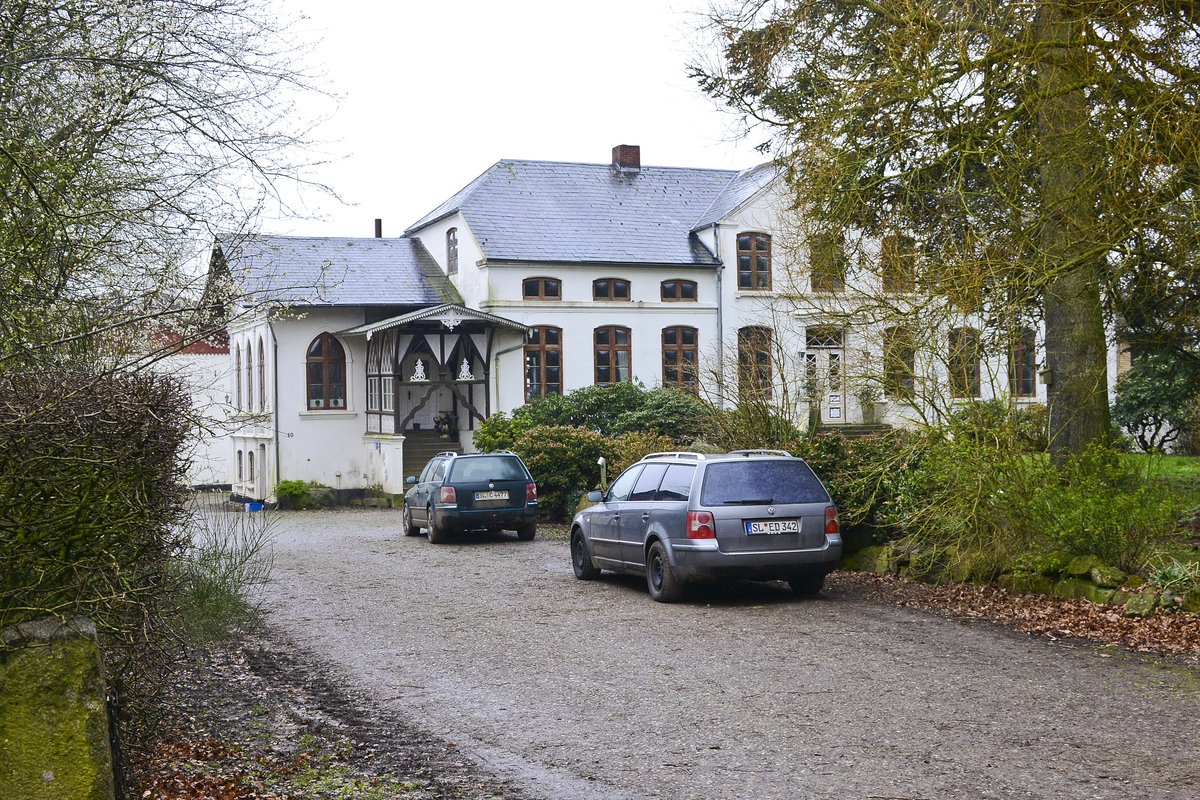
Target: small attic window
{"x":542,"y":289}
{"x":452,"y":251}
{"x":610,"y":289}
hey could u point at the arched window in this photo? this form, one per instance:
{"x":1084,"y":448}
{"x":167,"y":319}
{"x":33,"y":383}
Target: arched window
{"x":237,"y":376}
{"x":754,"y":260}
{"x":612,"y":353}
{"x":543,"y":362}
{"x":541,"y":289}
{"x":680,"y":357}
{"x":240,"y":473}
{"x":678,"y":291}
{"x":262,"y":376}
{"x":326,"y":370}
{"x":899,"y":362}
{"x":452,"y":251}
{"x":610,"y":289}
{"x":963,"y":362}
{"x":1022,"y":364}
{"x":249,"y":376}
{"x":755,"y":373}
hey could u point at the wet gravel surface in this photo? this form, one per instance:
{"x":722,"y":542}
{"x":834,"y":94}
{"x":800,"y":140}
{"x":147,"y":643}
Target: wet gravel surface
{"x":571,"y":689}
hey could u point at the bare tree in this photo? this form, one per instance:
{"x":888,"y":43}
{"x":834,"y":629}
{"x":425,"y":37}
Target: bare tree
{"x":131,"y":131}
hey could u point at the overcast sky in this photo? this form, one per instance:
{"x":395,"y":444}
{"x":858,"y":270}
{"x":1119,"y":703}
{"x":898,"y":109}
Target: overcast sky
{"x":435,"y":93}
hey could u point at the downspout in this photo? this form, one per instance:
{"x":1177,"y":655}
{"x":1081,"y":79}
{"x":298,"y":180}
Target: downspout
{"x":275,"y":398}
{"x":496,"y":371}
{"x":720,"y":319}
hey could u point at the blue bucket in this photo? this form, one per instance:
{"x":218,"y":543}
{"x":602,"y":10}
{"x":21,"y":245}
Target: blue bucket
{"x":254,"y":506}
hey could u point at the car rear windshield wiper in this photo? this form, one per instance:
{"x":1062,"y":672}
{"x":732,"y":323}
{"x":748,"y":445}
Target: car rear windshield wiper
{"x":752,"y":502}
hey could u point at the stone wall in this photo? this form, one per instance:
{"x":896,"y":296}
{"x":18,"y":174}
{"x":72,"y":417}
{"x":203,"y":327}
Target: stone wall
{"x":1066,"y":576}
{"x":54,"y":741}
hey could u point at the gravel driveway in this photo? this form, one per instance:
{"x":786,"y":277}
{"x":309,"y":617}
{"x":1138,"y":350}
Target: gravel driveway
{"x":592,"y":690}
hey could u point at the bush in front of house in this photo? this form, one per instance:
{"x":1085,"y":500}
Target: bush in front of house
{"x":613,"y":410}
{"x":562,"y":459}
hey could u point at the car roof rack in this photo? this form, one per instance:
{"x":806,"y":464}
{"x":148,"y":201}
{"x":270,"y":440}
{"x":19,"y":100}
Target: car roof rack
{"x":760,"y":452}
{"x":446,"y":453}
{"x":675,"y":454}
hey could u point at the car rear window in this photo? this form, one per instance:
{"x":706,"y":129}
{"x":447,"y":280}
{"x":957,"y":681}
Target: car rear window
{"x":487,"y":468}
{"x":760,"y":482}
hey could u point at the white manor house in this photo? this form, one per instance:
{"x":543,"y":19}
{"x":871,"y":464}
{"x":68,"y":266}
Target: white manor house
{"x":542,"y":277}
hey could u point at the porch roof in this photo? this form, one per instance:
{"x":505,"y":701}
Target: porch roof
{"x":449,"y":314}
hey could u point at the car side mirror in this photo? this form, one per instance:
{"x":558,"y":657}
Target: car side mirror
{"x":595,"y":496}
{"x":411,"y":479}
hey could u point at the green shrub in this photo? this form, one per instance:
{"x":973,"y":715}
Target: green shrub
{"x":613,"y":410}
{"x":293,"y":494}
{"x":1106,"y":506}
{"x":632,"y":447}
{"x":498,"y":432}
{"x":563,"y":462}
{"x":754,"y":423}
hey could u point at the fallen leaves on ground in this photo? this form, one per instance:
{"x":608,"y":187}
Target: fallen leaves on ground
{"x":1040,"y":615}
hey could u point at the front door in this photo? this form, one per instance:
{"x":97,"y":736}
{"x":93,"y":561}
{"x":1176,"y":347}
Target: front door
{"x":825,"y":376}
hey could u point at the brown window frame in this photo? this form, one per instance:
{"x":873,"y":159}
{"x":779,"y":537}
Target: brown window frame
{"x":898,"y":264}
{"x":686,"y":371}
{"x":611,"y":295}
{"x":963,"y":362}
{"x":749,"y":261}
{"x":899,"y":363}
{"x":679,"y":298}
{"x":828,"y":263}
{"x":452,"y":251}
{"x":541,"y":349}
{"x":756,"y":369}
{"x":330,"y":362}
{"x":540,"y":282}
{"x":1022,"y":364}
{"x":613,"y":349}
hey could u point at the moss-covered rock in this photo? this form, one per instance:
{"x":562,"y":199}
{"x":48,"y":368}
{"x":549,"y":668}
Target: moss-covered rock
{"x":871,"y":559}
{"x":1027,"y":582}
{"x":1133,"y":582}
{"x":53,"y":718}
{"x":1056,"y":563}
{"x":1191,"y":601}
{"x":1082,"y":566}
{"x":1072,"y":588}
{"x":1106,"y":576}
{"x":1141,"y":604}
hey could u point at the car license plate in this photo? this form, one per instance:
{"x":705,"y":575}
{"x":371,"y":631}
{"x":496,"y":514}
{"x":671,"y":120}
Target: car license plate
{"x":491,"y":495}
{"x":773,"y":526}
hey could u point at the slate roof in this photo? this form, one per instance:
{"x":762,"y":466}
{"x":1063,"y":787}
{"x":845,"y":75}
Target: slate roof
{"x":334,"y":271}
{"x":594,"y":213}
{"x":741,"y":188}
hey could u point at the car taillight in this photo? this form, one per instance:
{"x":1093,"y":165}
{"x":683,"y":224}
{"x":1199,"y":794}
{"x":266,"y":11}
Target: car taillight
{"x":447,"y":496}
{"x":831,"y":520}
{"x":531,"y":491}
{"x":700,"y":525}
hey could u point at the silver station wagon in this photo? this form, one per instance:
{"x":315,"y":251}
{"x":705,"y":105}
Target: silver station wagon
{"x":679,"y":518}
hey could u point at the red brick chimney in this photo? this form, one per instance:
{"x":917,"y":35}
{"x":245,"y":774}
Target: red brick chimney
{"x":627,"y":157}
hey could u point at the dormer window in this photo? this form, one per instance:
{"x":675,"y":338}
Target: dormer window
{"x":754,"y":261}
{"x":542,"y":289}
{"x":452,"y":251}
{"x":610,"y":289}
{"x":679,"y":291}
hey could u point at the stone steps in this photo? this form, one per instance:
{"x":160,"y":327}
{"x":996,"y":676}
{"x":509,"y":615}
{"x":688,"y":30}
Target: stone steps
{"x":856,"y":430}
{"x":421,"y":446}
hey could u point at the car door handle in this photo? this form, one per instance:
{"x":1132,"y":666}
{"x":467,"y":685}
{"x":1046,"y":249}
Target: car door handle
{"x":646,"y":517}
{"x":616,"y":517}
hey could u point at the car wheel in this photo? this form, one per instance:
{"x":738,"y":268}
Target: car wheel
{"x":581,"y":559}
{"x":807,"y":585}
{"x":437,"y":534}
{"x":660,"y":578}
{"x":526,"y":531}
{"x":406,"y":523}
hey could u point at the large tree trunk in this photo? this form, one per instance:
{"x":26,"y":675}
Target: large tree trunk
{"x":1076,"y":351}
